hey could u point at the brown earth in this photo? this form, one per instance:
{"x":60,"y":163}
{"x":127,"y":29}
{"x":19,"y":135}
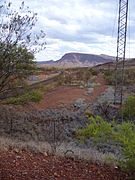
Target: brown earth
{"x":64,"y":96}
{"x":16,"y":165}
{"x":61,"y":96}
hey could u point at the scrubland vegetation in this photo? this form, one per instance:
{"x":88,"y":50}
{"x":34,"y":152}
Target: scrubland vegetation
{"x":33,"y":96}
{"x":128,"y":109}
{"x":16,"y":65}
{"x":109,"y":76}
{"x":119,"y":134}
{"x":122,"y":135}
{"x":76,"y":76}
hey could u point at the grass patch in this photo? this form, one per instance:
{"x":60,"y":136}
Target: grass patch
{"x":32,"y":96}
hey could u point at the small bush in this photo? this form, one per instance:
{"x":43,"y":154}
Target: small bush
{"x":35,"y":96}
{"x":60,"y":80}
{"x":109,"y":77}
{"x":128,"y":109}
{"x":123,"y":134}
{"x":32,"y":96}
{"x":17,"y":101}
{"x":98,"y":128}
{"x":45,"y":88}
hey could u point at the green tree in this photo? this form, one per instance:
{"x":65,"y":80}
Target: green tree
{"x":18,"y":44}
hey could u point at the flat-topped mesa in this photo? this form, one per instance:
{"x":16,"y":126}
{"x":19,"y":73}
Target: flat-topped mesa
{"x":79,"y":60}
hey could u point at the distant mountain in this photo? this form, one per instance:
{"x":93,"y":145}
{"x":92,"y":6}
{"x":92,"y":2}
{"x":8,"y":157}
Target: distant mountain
{"x":46,"y":62}
{"x":79,"y":60}
{"x":108,"y":57}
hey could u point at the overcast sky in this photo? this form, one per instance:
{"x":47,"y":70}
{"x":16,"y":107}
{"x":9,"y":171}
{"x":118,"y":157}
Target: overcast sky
{"x":88,"y":26}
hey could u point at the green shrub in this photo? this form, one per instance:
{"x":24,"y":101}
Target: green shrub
{"x":17,"y":101}
{"x":32,"y":96}
{"x":35,"y":96}
{"x":128,"y":109}
{"x":97,"y":128}
{"x":109,"y":76}
{"x":122,"y":134}
{"x":126,"y":135}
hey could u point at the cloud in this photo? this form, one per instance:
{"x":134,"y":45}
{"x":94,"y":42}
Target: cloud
{"x":79,"y":26}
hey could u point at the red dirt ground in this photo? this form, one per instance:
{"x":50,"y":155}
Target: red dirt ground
{"x":28,"y":166}
{"x":61,"y":96}
{"x":66,"y":95}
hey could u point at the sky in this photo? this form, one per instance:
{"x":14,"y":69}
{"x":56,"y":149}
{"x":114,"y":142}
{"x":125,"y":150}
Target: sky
{"x":85,"y":26}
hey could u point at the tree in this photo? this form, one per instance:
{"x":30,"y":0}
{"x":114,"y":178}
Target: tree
{"x":18,"y":43}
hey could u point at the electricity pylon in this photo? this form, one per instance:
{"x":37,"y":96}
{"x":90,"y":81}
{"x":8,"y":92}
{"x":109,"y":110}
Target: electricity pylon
{"x":121,"y":49}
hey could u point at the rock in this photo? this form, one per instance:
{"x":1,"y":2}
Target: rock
{"x":24,"y":173}
{"x":81,"y":87}
{"x":16,"y":150}
{"x":56,"y":175}
{"x":45,"y":153}
{"x":90,"y":90}
{"x":79,"y":102}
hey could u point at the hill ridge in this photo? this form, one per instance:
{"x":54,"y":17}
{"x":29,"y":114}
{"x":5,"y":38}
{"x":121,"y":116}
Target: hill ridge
{"x":79,"y":60}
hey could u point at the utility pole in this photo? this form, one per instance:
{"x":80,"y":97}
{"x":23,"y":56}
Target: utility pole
{"x":121,"y":49}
